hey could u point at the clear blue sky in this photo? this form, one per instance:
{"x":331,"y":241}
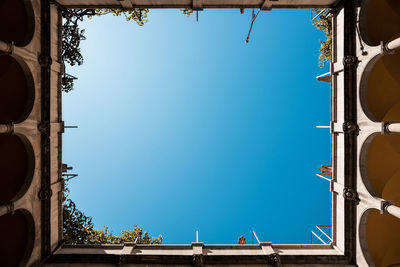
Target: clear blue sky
{"x":183,"y":126}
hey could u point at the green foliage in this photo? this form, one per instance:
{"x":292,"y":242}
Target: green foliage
{"x":324,"y":23}
{"x":79,"y":229}
{"x":137,"y":15}
{"x":72,"y":35}
{"x":186,"y":11}
{"x":105,"y":236}
{"x":67,"y":83}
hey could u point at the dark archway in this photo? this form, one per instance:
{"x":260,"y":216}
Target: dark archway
{"x":17,"y":233}
{"x":17,"y":92}
{"x":17,"y":165}
{"x":380,"y":21}
{"x":17,"y":20}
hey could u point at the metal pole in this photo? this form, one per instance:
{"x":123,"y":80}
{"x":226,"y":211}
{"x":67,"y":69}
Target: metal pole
{"x":324,"y":233}
{"x":320,"y":239}
{"x":254,"y":233}
{"x":320,"y":176}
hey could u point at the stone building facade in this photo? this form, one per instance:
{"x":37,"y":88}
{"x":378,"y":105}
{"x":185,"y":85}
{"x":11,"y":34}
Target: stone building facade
{"x":365,"y":122}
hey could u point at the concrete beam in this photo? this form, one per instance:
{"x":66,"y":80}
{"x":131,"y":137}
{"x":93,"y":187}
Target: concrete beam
{"x":126,"y":4}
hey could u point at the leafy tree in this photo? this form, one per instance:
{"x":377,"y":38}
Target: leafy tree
{"x":79,"y":229}
{"x":72,"y":35}
{"x":324,"y":23}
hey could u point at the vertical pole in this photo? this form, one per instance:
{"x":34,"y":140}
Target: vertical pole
{"x":197,"y":236}
{"x":45,"y":161}
{"x":350,"y":116}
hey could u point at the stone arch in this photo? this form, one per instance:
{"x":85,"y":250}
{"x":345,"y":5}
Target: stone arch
{"x":17,"y":93}
{"x":379,"y":21}
{"x":18,"y":21}
{"x":17,"y":231}
{"x":17,"y":165}
{"x":379,"y":166}
{"x":380,"y":238}
{"x":380,"y":88}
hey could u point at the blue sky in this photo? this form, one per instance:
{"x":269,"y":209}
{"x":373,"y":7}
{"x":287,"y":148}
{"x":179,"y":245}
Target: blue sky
{"x":183,"y":126}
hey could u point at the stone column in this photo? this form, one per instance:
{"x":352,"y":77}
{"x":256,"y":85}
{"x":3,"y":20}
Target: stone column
{"x":393,"y":210}
{"x":6,"y":128}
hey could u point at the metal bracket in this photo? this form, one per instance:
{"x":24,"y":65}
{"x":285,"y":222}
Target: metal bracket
{"x":45,"y":193}
{"x":349,"y":61}
{"x":44,"y":60}
{"x":275,"y":258}
{"x":198,"y":260}
{"x":120,"y":260}
{"x":336,"y":68}
{"x":349,"y":127}
{"x":350,"y":194}
{"x":43,"y":127}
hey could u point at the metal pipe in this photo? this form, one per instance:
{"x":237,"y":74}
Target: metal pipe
{"x":393,"y":45}
{"x":393,"y":210}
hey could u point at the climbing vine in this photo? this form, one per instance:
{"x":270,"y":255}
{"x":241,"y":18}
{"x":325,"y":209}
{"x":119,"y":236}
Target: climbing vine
{"x":324,"y":23}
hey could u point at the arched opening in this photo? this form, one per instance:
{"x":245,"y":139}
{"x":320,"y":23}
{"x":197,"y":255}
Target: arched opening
{"x":383,"y":239}
{"x":382,"y":166}
{"x":17,"y":20}
{"x":17,"y":90}
{"x":17,"y":164}
{"x":382,"y":88}
{"x":380,"y":21}
{"x":17,"y":233}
